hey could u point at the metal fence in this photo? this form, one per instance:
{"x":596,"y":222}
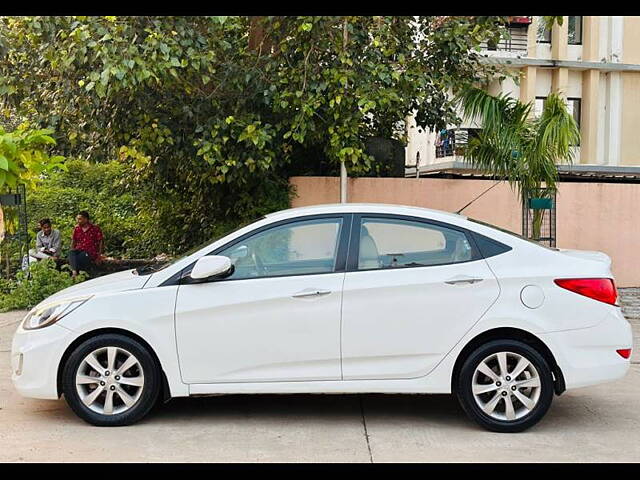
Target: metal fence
{"x":539,"y":217}
{"x":516,"y":41}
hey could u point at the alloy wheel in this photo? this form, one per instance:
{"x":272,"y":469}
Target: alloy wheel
{"x":109,"y":380}
{"x":506,"y":386}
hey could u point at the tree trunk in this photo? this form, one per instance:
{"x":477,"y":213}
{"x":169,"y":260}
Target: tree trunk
{"x":538,"y":217}
{"x":343,"y":166}
{"x":258,"y":39}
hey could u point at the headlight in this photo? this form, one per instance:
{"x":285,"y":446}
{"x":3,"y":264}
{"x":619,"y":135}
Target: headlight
{"x":50,"y":313}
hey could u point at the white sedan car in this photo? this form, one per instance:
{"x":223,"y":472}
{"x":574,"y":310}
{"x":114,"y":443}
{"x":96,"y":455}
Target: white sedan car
{"x":351,"y":298}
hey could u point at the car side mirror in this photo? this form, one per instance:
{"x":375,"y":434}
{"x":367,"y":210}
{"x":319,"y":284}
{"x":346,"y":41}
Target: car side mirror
{"x":211,"y":266}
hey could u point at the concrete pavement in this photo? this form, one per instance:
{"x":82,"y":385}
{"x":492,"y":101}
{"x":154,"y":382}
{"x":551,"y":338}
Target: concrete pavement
{"x":595,"y":424}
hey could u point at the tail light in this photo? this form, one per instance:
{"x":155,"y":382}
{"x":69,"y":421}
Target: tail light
{"x":624,"y":352}
{"x":601,"y":289}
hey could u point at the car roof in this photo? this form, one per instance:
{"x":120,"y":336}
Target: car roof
{"x":367,"y":208}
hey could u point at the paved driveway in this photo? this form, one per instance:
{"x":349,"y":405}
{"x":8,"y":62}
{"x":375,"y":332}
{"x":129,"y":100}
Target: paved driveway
{"x":596,"y":424}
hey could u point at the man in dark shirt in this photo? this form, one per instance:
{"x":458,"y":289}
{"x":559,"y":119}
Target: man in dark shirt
{"x":87,"y":244}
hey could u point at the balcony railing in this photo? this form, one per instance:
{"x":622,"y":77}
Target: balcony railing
{"x":516,"y":41}
{"x":453,"y":141}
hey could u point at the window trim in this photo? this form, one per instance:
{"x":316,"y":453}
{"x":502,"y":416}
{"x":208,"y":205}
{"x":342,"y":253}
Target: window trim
{"x":341,"y":255}
{"x":354,"y":241}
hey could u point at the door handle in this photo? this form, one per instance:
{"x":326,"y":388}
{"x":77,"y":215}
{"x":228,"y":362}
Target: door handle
{"x":311,"y":292}
{"x":460,"y":280}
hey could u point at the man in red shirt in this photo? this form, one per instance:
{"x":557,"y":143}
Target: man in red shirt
{"x":87,"y":244}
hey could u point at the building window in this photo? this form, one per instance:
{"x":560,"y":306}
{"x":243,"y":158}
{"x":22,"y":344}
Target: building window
{"x":575,"y":30}
{"x":538,"y":106}
{"x":573,"y":106}
{"x":543,"y":33}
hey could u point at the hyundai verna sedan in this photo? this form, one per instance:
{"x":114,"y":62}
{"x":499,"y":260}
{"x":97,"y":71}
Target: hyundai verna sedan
{"x":347,"y":298}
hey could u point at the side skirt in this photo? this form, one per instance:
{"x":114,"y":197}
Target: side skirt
{"x":415,"y":385}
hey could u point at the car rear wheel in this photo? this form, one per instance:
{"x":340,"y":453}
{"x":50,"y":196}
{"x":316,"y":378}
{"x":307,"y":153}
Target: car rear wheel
{"x":111,"y":380}
{"x":505,"y":386}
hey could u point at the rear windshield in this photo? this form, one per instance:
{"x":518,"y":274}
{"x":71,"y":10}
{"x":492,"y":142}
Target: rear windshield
{"x":522,"y":237}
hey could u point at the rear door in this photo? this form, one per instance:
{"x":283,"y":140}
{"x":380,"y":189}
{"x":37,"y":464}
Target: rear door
{"x":412,"y":289}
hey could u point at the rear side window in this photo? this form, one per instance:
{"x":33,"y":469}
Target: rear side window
{"x":489,"y":247}
{"x":509,"y":232}
{"x":397,"y":243}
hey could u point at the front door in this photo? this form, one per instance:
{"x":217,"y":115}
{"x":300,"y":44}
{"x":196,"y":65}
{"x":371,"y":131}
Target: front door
{"x":277,"y":317}
{"x":413,"y":290}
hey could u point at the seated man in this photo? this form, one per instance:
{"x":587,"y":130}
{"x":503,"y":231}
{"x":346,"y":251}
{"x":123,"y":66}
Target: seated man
{"x":48,"y":242}
{"x":87,"y":244}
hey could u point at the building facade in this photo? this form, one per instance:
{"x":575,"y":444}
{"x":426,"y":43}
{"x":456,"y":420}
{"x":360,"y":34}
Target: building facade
{"x":592,"y":61}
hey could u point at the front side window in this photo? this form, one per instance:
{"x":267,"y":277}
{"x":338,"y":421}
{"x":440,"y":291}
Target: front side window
{"x":395,"y":243}
{"x":303,"y":247}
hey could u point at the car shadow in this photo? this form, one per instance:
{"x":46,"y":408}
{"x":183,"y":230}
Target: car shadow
{"x":414,"y":409}
{"x":575,"y":412}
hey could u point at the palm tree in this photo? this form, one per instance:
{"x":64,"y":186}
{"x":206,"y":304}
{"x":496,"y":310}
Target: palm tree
{"x":514,"y":146}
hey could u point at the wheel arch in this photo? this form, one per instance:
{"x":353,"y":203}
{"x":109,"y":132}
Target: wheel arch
{"x":509,"y":333}
{"x":166,"y":391}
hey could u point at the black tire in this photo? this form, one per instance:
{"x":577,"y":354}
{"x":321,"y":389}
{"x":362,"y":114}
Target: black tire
{"x":467,"y":400}
{"x":150,"y":389}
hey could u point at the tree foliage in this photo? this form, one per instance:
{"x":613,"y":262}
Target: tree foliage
{"x":24,"y":156}
{"x":209,"y":113}
{"x":516,"y":146}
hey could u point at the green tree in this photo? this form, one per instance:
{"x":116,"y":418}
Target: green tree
{"x":24,"y":158}
{"x":517,"y":146}
{"x":212,"y":113}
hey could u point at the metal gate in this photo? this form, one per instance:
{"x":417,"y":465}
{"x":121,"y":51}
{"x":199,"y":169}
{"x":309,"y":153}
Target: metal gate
{"x":539,"y":217}
{"x":14,"y":206}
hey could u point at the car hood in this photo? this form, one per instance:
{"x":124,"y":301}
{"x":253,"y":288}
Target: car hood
{"x":115,"y":282}
{"x":587,"y":255}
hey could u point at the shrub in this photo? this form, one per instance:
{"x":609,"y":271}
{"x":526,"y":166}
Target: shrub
{"x":98,"y":189}
{"x":45,"y":280}
{"x":141,"y":222}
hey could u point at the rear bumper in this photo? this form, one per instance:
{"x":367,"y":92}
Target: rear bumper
{"x":587,"y":356}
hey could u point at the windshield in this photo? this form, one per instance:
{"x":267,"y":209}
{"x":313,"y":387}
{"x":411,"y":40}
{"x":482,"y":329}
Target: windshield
{"x":504,"y":230}
{"x":158,"y":266}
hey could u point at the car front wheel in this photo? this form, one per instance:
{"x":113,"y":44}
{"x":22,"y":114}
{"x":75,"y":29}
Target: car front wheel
{"x":111,"y":380}
{"x":505,"y":386}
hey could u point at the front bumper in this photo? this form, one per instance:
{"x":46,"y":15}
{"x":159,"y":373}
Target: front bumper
{"x":35,"y":356}
{"x":587,"y":356}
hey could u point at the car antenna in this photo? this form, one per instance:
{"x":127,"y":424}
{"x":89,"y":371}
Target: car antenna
{"x":497,"y":182}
